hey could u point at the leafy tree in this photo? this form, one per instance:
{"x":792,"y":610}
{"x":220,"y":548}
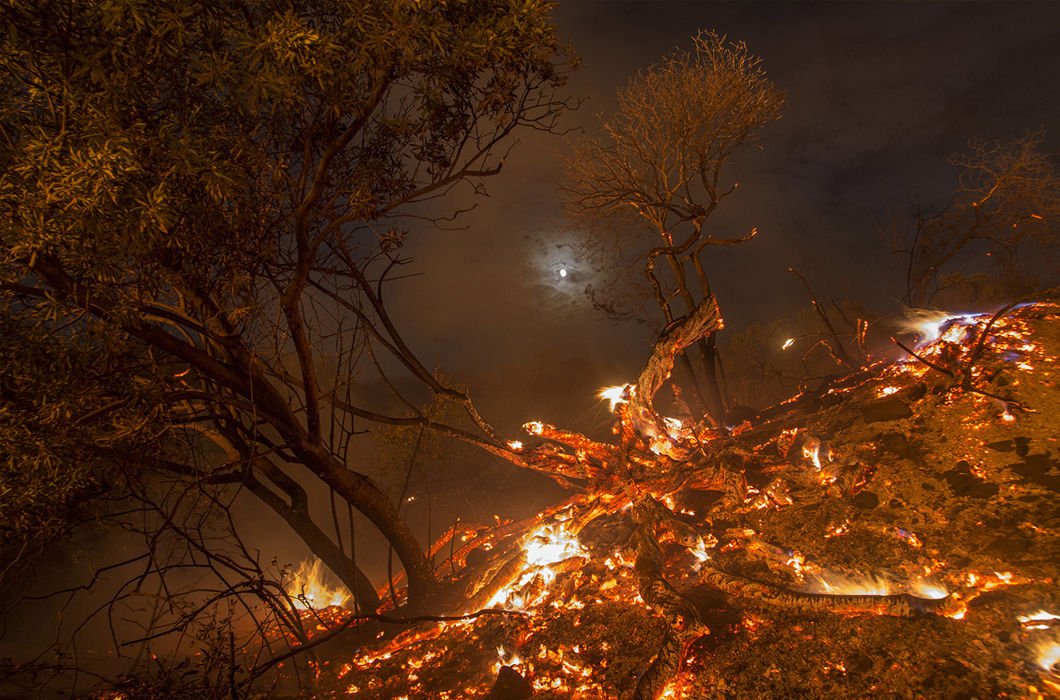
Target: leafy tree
{"x":648,"y":183}
{"x":54,"y":389}
{"x":203,"y":205}
{"x":1004,"y":211}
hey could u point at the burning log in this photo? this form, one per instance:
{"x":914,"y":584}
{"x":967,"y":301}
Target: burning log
{"x":676,"y":337}
{"x":680,"y":614}
{"x":900,"y":604}
{"x":677,"y":569}
{"x":508,"y":574}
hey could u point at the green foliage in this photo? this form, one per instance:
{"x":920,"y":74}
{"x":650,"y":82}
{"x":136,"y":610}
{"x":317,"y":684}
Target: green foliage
{"x":64,"y":405}
{"x":143,"y":140}
{"x":199,"y":205}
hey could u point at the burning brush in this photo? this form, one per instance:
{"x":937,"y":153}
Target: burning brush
{"x":687,"y":557}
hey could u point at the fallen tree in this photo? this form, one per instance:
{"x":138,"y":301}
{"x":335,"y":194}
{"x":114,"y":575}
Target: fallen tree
{"x":203,"y":232}
{"x":897,"y":531}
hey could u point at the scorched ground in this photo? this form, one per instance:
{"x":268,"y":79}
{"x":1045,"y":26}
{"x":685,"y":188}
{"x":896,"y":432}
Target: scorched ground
{"x":893,"y":535}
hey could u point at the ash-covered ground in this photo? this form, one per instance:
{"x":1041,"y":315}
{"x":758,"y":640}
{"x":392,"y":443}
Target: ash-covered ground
{"x":893,"y":535}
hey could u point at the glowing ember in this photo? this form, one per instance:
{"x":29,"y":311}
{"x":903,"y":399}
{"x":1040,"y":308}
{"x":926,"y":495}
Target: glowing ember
{"x":787,"y":343}
{"x":1048,"y":655}
{"x":308,"y":589}
{"x":515,"y":445}
{"x":534,"y":427}
{"x":929,"y":324}
{"x":1040,"y":620}
{"x":838,"y":530}
{"x":909,"y":537}
{"x":616,"y":394}
{"x":959,"y":613}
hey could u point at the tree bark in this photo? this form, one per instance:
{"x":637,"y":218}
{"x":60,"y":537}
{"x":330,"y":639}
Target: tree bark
{"x":320,"y":544}
{"x":251,"y":385}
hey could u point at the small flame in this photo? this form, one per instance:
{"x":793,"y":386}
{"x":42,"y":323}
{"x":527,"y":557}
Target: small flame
{"x":616,"y":394}
{"x":700,"y":550}
{"x":534,"y":427}
{"x":673,"y":426}
{"x":797,"y":562}
{"x":811,"y":450}
{"x":1040,"y":620}
{"x":834,"y":584}
{"x":927,"y":588}
{"x":308,"y":588}
{"x":550,"y":544}
{"x":787,"y":343}
{"x":1048,"y":655}
{"x":928,"y":324}
{"x":515,"y":445}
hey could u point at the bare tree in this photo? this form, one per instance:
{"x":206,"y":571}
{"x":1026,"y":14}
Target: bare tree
{"x":653,"y":176}
{"x":998,"y":233}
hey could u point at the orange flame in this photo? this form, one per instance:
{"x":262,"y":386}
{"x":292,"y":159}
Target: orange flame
{"x":928,"y":324}
{"x":548,"y":545}
{"x":308,"y":588}
{"x":1048,"y":654}
{"x":835,"y":584}
{"x":1040,"y":620}
{"x":928,"y":588}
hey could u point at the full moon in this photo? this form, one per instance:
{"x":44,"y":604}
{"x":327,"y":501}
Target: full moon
{"x":562,"y":272}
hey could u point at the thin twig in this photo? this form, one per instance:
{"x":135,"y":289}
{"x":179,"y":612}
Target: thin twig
{"x":929,"y":363}
{"x":838,"y":352}
{"x":973,"y":357}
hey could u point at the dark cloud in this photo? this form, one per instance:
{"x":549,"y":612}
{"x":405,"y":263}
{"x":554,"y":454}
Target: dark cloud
{"x":878,"y":95}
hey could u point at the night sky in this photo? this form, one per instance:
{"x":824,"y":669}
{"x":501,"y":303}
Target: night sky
{"x":878,"y":94}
